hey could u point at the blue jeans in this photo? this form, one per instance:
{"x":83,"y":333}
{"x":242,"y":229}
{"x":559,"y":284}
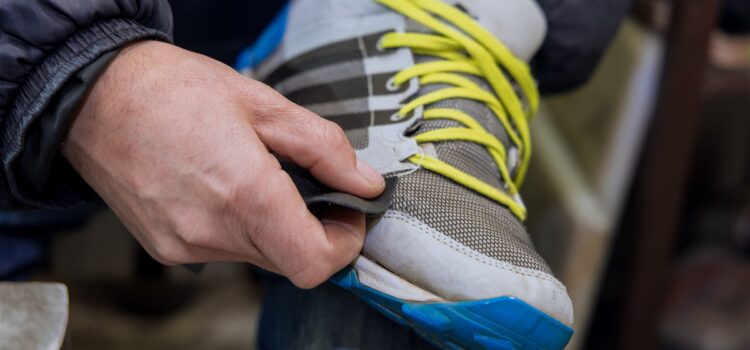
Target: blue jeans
{"x":24,"y":233}
{"x":326,"y":317}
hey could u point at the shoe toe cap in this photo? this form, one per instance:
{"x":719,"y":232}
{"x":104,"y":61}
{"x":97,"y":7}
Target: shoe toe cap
{"x":452,"y":271}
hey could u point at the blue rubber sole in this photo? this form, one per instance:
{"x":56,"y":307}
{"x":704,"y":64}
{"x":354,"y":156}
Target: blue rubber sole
{"x":502,"y":323}
{"x":266,"y":43}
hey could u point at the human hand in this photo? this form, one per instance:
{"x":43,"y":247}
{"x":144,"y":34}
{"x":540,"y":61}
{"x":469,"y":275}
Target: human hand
{"x":178,"y":145}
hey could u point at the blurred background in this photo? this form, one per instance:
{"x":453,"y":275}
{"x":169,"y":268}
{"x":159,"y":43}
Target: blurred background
{"x":639,"y":198}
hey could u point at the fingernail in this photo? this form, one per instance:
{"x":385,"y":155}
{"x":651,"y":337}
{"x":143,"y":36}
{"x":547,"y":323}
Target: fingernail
{"x":370,"y":174}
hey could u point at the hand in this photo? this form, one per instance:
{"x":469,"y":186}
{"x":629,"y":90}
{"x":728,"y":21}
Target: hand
{"x":178,"y":145}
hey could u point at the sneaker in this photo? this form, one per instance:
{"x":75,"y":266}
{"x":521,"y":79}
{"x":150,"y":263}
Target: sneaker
{"x":437,"y":94}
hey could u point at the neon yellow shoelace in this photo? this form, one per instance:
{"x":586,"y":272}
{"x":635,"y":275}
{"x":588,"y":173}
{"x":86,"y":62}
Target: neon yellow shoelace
{"x":474,"y":51}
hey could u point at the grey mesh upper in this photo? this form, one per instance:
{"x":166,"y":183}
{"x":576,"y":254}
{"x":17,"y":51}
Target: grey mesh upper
{"x":467,"y":217}
{"x":357,"y":137}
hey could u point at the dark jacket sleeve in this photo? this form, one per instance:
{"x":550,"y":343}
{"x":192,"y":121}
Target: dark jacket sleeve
{"x":50,"y":53}
{"x":578,"y":34}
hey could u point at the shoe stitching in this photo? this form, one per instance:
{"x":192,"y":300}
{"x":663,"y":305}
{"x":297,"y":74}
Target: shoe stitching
{"x":476,"y":256}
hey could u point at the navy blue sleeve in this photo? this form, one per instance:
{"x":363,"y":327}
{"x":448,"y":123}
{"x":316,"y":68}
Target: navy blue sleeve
{"x":43,"y":43}
{"x":578,"y":34}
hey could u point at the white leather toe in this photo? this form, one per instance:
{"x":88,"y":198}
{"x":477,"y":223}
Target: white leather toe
{"x":450,"y":270}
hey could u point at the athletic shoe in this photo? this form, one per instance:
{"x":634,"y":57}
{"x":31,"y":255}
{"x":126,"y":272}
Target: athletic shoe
{"x":437,"y":94}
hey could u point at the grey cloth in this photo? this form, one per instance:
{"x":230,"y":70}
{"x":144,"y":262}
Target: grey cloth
{"x":317,"y":194}
{"x":34,"y":316}
{"x":44,"y":44}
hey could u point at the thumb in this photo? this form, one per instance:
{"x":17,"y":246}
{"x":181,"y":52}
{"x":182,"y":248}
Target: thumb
{"x":321,"y":147}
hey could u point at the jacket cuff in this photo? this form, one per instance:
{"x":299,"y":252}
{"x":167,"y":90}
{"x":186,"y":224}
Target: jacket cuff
{"x":41,"y":114}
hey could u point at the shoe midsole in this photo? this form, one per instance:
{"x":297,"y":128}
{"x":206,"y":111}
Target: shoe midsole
{"x":381,"y":279}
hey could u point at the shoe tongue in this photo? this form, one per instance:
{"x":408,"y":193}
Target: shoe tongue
{"x":519,"y":24}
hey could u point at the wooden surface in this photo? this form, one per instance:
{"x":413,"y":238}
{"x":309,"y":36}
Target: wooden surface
{"x":33,"y":316}
{"x":660,"y":188}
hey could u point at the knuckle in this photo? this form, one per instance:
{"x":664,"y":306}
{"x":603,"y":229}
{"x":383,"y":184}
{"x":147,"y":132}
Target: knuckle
{"x":190,"y":228}
{"x":221,"y":191}
{"x":197,"y":239}
{"x":252,"y":208}
{"x":240,"y":199}
{"x":162,"y":260}
{"x":168,"y":255}
{"x":170,"y":252}
{"x":263,"y":98}
{"x":334,"y":135}
{"x":235,"y":198}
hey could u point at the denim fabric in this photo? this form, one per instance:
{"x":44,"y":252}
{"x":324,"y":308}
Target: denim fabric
{"x":24,"y":233}
{"x":17,"y":254}
{"x":326,"y":317}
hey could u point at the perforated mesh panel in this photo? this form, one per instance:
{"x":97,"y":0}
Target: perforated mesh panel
{"x":358,"y":138}
{"x":467,"y":217}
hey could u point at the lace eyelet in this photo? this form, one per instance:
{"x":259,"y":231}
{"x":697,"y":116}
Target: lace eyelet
{"x":391,"y":86}
{"x":396,"y":117}
{"x":379,"y":45}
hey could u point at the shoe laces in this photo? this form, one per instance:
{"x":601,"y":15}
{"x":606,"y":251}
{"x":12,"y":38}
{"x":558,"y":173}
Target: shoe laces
{"x":463,"y":47}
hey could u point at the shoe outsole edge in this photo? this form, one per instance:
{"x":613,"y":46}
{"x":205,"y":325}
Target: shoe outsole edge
{"x":502,"y":323}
